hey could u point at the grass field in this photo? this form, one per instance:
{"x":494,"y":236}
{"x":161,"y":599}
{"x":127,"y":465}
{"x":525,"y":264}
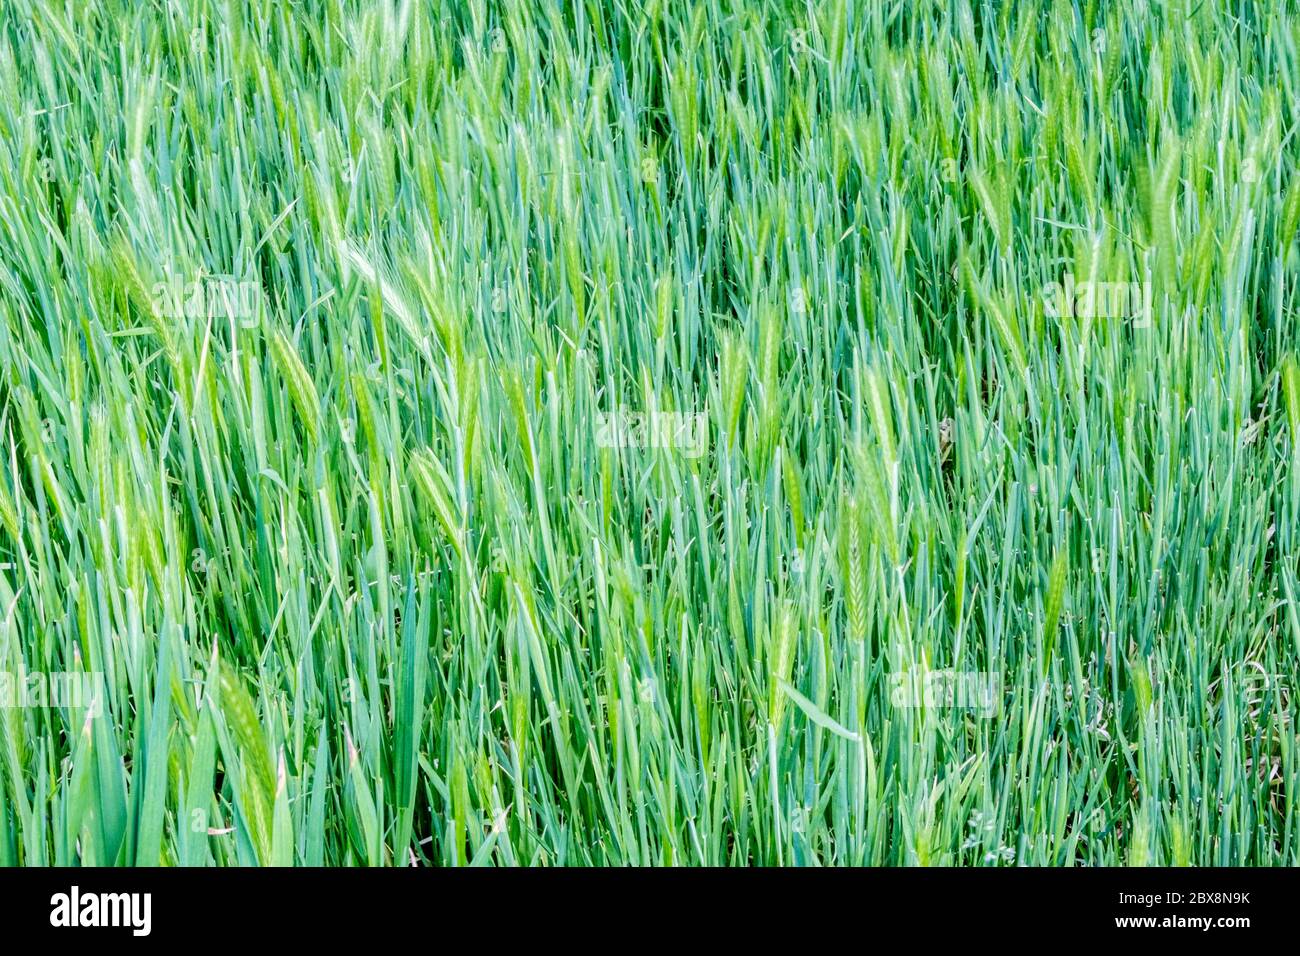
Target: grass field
{"x":727,"y":433}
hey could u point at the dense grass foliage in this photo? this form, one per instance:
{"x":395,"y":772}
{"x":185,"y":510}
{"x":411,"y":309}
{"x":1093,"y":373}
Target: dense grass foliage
{"x":312,"y":314}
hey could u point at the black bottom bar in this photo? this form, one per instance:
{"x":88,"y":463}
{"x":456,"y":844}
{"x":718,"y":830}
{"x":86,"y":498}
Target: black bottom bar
{"x":364,"y":907}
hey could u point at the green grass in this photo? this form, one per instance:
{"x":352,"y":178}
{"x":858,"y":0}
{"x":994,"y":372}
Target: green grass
{"x":363,"y":578}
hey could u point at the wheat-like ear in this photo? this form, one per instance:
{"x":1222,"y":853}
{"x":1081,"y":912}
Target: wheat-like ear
{"x":302,"y":390}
